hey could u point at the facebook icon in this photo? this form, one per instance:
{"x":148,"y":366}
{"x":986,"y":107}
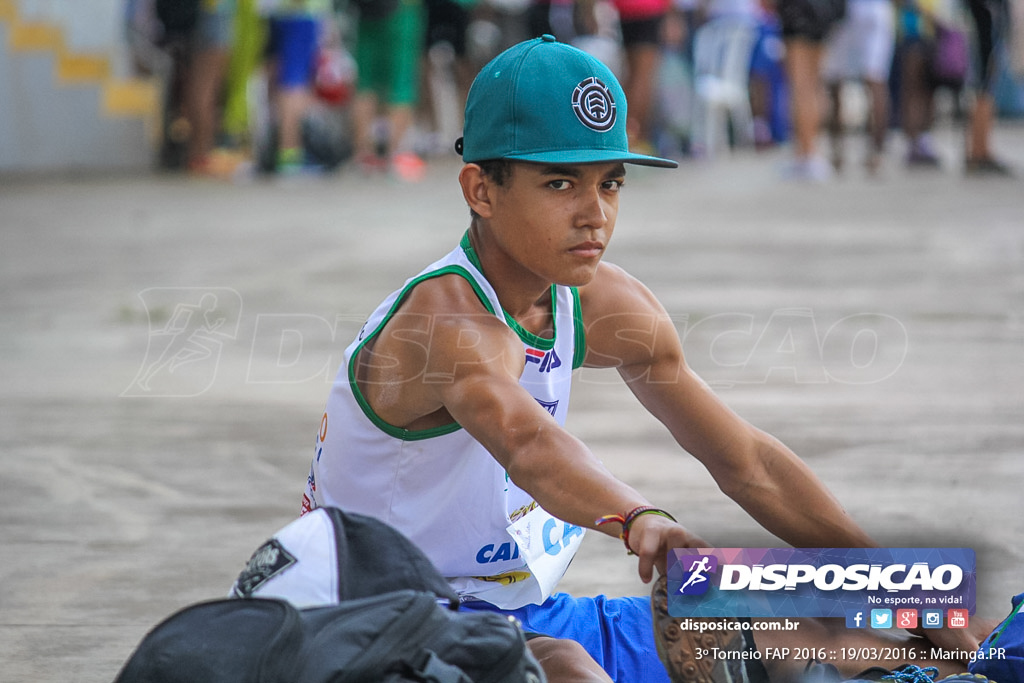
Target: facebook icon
{"x":855,"y":618}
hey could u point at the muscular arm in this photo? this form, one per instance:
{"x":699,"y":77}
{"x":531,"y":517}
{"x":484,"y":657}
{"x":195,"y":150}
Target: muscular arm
{"x":444,"y":355}
{"x":629,"y":330}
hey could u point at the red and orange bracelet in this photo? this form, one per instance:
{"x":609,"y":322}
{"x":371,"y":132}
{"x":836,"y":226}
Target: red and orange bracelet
{"x":627,"y":520}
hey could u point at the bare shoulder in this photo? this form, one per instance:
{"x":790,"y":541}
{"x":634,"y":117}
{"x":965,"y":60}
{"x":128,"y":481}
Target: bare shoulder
{"x":440,"y":334}
{"x":625,"y":323}
{"x":444,"y":316}
{"x":613,"y":290}
{"x":449,"y":294}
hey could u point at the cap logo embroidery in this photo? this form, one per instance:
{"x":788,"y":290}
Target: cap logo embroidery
{"x":593,"y":104}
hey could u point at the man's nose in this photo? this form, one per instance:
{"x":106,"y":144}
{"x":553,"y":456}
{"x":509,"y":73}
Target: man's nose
{"x":592,"y":211}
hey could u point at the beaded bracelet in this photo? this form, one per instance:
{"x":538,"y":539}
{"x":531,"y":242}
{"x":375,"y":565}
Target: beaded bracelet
{"x":627,"y":521}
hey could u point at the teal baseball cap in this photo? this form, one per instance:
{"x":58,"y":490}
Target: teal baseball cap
{"x":548,"y":102}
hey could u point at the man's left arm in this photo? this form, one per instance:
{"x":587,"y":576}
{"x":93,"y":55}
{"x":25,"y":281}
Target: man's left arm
{"x":750,"y":466}
{"x":627,"y":328}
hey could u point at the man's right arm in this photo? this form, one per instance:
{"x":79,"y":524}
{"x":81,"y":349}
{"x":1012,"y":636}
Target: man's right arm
{"x":469,"y":365}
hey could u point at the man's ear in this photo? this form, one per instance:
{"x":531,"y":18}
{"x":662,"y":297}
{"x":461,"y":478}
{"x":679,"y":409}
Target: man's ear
{"x":477,"y":189}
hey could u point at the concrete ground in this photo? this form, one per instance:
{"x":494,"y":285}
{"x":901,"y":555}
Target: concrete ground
{"x":874,"y":325}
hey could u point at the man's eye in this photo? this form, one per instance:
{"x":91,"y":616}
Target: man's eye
{"x":559,"y":184}
{"x":614,"y":185}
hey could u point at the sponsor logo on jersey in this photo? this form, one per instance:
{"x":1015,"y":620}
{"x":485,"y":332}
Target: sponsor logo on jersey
{"x":522,"y":511}
{"x":506,"y":579}
{"x":550,"y":406}
{"x":307,"y":505}
{"x":508,"y":550}
{"x":547,"y":360}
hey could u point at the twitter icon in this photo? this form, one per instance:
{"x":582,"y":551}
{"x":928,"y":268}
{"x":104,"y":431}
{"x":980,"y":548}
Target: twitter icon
{"x":881,"y":618}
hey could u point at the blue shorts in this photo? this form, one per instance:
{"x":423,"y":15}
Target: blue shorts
{"x":617,"y":632}
{"x":293,"y":43}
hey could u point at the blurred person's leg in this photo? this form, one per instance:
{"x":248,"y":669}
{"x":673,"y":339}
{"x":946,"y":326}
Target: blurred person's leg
{"x":834,"y":123}
{"x":446,"y":73}
{"x":767,"y":86}
{"x":364,"y":114}
{"x":981,"y":124}
{"x":990,"y":17}
{"x":805,"y":26}
{"x":878,"y":122}
{"x":643,"y":66}
{"x":372,"y":62}
{"x":917,"y":103}
{"x":406,"y":31}
{"x":879,"y":43}
{"x":803,"y":66}
{"x":641,"y":39}
{"x":839,"y":63}
{"x":210,"y":56}
{"x":294,"y":41}
{"x":760,"y":107}
{"x":292,"y":104}
{"x":205,"y":79}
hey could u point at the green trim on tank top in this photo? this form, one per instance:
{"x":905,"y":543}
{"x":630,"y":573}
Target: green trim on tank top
{"x":579,"y":334}
{"x":525,"y":335}
{"x":579,"y":347}
{"x":387,"y":428}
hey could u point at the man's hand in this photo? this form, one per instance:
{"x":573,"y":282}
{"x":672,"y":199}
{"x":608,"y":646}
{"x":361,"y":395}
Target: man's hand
{"x":652,"y":536}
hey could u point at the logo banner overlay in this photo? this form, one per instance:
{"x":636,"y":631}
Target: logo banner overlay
{"x":820,"y":582}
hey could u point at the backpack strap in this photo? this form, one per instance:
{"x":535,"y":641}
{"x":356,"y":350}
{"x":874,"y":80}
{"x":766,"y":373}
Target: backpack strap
{"x":432,"y":669}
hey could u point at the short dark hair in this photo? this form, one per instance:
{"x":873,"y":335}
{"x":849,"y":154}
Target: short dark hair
{"x":498,"y":170}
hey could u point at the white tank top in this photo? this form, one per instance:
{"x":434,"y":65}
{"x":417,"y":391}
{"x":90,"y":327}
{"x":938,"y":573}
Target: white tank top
{"x":439,"y":486}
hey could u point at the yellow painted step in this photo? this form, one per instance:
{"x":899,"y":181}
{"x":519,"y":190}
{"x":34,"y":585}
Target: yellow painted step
{"x":82,"y":68}
{"x":8,"y":12}
{"x":134,"y":97}
{"x":122,"y":98}
{"x":70,"y":67}
{"x":35,"y":35}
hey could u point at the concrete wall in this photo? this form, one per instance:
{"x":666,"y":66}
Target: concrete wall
{"x":62,"y":98}
{"x":89,"y":25}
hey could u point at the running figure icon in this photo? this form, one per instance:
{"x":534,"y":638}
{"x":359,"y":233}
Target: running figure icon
{"x":698,"y":570}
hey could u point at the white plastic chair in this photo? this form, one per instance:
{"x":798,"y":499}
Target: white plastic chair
{"x":721,"y":77}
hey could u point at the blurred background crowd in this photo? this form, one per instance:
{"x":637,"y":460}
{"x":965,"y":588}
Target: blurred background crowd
{"x":305,"y":86}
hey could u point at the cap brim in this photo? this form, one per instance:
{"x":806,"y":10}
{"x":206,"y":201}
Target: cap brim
{"x":592,"y":156}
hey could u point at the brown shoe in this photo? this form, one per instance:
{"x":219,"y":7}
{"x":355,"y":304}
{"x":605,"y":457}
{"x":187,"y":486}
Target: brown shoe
{"x":677,"y":649}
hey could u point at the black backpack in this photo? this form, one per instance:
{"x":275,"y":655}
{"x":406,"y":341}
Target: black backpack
{"x":398,"y":636}
{"x":394,"y":619}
